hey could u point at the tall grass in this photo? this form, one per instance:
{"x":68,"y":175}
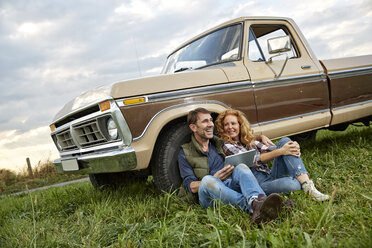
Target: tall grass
{"x":139,"y":216}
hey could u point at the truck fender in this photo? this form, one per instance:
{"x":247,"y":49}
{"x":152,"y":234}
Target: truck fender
{"x":144,"y":145}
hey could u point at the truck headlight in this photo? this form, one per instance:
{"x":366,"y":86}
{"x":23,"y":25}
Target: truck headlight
{"x":112,"y":129}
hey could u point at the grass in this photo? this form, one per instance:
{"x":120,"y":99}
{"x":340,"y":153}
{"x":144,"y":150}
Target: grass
{"x":44,"y":173}
{"x":138,"y":216}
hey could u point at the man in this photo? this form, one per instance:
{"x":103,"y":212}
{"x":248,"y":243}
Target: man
{"x":202,"y":169}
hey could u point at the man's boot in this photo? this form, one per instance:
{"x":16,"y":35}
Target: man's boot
{"x":266,"y":208}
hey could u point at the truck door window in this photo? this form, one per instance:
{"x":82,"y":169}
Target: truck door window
{"x":220,"y":46}
{"x":258,"y":36}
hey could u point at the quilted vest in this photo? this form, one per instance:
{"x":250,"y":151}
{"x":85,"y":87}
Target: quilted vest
{"x":197,"y":158}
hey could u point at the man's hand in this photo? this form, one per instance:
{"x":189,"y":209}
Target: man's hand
{"x":224,"y":173}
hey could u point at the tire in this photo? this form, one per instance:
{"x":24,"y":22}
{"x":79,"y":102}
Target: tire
{"x":114,"y":180}
{"x":311,"y":135}
{"x":164,"y":164}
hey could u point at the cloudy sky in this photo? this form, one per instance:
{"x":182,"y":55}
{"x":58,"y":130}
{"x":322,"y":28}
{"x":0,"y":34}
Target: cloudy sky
{"x":51,"y":51}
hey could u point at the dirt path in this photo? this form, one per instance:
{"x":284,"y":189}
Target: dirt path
{"x":50,"y":186}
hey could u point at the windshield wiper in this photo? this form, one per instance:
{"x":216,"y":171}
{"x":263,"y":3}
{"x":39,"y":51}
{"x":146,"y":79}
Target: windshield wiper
{"x":183,"y":69}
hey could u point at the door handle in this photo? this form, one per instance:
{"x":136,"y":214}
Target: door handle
{"x":305,"y":66}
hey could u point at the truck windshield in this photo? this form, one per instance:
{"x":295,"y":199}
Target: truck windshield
{"x":220,"y":46}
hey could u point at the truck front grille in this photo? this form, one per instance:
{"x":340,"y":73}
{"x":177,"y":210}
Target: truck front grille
{"x":85,"y":134}
{"x":89,"y":134}
{"x":64,"y":139}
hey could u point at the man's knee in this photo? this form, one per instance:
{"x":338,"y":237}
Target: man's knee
{"x":243,"y":167}
{"x":243,"y":170}
{"x":208,"y":183}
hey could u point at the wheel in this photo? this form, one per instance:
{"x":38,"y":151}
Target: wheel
{"x":164,"y":164}
{"x":113,"y":180}
{"x":311,"y":135}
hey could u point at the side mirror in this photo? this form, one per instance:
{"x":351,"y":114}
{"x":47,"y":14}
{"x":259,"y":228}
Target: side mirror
{"x":278,"y":46}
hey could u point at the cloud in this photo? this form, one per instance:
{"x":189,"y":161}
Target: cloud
{"x":35,"y":144}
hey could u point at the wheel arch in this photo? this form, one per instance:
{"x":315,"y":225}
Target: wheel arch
{"x":144,"y":145}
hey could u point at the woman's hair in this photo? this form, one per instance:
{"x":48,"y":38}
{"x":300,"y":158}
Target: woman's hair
{"x":246,"y":133}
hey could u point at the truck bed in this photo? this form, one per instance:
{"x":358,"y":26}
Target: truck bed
{"x":350,"y":84}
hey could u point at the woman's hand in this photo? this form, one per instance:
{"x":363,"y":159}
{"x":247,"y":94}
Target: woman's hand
{"x":224,"y":173}
{"x":291,"y":148}
{"x":265,"y":140}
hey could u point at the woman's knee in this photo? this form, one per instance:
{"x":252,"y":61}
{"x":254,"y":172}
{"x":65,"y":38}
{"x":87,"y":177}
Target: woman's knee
{"x":283,"y":141}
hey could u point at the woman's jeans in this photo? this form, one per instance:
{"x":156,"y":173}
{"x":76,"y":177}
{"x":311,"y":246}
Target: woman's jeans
{"x":283,"y":175}
{"x":239,"y":190}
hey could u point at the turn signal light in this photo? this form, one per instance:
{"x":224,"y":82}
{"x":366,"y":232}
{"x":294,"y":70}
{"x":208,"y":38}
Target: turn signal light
{"x":52,"y":127}
{"x":104,"y":105}
{"x":134,"y":100}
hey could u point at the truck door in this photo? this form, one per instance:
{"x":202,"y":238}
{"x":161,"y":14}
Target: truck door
{"x":298,"y":99}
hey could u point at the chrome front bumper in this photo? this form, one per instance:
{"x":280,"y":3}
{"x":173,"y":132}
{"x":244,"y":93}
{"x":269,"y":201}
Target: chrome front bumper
{"x":103,"y":162}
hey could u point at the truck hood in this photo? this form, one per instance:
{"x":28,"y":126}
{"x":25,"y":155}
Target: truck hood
{"x":87,"y":98}
{"x":143,"y":86}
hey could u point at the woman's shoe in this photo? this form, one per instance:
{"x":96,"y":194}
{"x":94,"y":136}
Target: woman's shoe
{"x":310,"y":189}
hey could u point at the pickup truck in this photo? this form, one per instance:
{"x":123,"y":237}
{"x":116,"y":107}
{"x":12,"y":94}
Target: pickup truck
{"x":262,"y":66}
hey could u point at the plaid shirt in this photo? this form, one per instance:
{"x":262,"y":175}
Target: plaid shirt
{"x":237,"y":147}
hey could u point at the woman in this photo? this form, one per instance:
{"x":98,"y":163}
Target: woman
{"x":288,"y":172}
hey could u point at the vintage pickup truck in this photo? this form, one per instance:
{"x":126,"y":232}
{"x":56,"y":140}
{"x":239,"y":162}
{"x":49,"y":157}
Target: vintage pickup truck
{"x":262,"y":66}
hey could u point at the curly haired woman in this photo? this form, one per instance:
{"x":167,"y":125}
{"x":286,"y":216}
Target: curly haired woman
{"x":288,"y":172}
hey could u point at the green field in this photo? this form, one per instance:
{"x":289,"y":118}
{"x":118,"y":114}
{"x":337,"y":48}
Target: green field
{"x":137,"y":215}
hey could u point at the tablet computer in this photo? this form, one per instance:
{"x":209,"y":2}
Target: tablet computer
{"x":246,"y":158}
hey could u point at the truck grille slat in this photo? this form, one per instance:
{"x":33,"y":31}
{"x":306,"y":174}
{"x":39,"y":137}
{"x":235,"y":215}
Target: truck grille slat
{"x":89,"y":133}
{"x":65,"y":140}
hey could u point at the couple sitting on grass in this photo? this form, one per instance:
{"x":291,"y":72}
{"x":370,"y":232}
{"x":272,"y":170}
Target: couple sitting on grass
{"x":201,"y":164}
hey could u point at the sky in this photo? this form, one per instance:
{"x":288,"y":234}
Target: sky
{"x":52,"y":51}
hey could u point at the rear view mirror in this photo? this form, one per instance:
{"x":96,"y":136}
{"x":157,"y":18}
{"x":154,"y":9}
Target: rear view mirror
{"x":279,"y":44}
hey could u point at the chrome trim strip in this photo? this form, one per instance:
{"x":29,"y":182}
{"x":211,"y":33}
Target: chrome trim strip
{"x":93,"y":149}
{"x":177,"y":106}
{"x":224,"y":87}
{"x":294,"y":117}
{"x":351,"y":72}
{"x":352,"y":105}
{"x":290,"y":80}
{"x":192,"y":92}
{"x":84,"y":118}
{"x":97,"y":155}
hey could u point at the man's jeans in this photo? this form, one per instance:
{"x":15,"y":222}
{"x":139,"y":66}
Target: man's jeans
{"x":283,"y":174}
{"x":239,"y":190}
